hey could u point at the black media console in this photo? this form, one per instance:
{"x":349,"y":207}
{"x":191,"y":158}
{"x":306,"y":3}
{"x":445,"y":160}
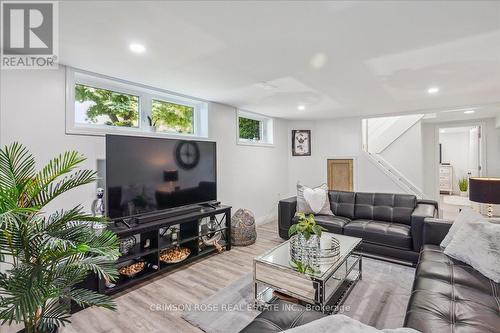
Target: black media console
{"x":150,"y":242}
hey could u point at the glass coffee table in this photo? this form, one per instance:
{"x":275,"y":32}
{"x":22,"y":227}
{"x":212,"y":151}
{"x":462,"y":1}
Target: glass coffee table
{"x":325,"y":289}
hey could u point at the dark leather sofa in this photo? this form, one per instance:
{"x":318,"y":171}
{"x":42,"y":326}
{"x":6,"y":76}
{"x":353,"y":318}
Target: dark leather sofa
{"x":447,"y":295}
{"x":390,"y":225}
{"x":282,"y":315}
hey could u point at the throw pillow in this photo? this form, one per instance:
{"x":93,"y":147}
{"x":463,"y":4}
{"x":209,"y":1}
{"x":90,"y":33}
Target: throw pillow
{"x":476,"y":243}
{"x":467,"y":214}
{"x":313,"y":200}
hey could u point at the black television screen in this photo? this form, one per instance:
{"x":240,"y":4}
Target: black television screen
{"x":144,"y":175}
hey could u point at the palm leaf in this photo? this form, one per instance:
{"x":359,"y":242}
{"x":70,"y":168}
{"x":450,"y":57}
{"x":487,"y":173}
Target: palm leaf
{"x":85,"y":298}
{"x":17,"y":166}
{"x":55,"y":313}
{"x":45,"y":193}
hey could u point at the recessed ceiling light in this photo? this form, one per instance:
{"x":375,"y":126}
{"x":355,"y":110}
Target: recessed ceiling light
{"x":301,"y":107}
{"x":433,"y":90}
{"x":469,"y":111}
{"x":137,"y":48}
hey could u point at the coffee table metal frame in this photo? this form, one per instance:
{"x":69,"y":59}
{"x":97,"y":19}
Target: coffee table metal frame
{"x":317,"y":290}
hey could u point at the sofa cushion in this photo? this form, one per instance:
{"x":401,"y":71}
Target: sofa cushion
{"x":342,"y":203}
{"x":333,"y":224}
{"x":450,"y":296}
{"x":379,"y":232}
{"x":281,"y":316}
{"x":385,"y":207}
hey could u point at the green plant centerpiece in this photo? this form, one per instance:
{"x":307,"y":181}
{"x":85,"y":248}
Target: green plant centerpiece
{"x":305,"y":243}
{"x":302,"y":268}
{"x":46,"y":255}
{"x":306,"y":226}
{"x":463,"y":185}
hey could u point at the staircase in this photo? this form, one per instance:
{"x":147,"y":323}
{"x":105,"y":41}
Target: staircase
{"x":380,"y":133}
{"x":395,"y":175}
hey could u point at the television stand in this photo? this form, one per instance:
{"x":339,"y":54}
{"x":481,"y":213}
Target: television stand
{"x":194,"y":227}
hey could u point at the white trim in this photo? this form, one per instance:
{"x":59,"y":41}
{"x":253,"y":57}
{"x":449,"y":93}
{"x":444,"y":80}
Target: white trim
{"x":145,"y":93}
{"x":267,"y":129}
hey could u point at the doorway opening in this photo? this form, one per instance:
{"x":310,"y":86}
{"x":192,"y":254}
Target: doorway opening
{"x":459,"y":159}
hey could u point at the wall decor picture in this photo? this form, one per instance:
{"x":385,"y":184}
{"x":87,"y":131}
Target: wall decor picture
{"x":301,"y":143}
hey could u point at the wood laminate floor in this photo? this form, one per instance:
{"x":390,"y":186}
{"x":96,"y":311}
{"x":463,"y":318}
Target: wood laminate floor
{"x":187,"y":285}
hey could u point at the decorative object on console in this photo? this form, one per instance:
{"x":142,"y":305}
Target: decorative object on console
{"x":476,"y":244}
{"x":463,"y":185}
{"x":313,"y":200}
{"x":97,"y":208}
{"x":301,"y":143}
{"x":126,"y":244}
{"x":174,"y":255}
{"x":170,"y":233}
{"x":485,"y":190}
{"x":243,"y":231}
{"x":133,"y":269}
{"x":174,"y":236}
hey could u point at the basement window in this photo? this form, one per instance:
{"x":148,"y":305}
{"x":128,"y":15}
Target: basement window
{"x":254,"y":129}
{"x":172,"y":117}
{"x":99,"y":105}
{"x":96,"y":106}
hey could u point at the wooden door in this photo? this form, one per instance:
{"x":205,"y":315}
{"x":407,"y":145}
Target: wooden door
{"x":340,"y":174}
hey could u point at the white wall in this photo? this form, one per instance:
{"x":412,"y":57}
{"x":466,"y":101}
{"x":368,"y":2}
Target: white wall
{"x":405,"y":154}
{"x":32,"y":111}
{"x":338,"y":138}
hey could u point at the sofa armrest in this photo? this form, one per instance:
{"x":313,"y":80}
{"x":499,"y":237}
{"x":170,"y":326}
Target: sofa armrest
{"x":435,"y":230}
{"x":286,"y":212}
{"x":424,"y":209}
{"x":428,"y":202}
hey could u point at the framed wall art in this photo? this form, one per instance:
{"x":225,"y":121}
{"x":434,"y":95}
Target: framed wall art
{"x":301,"y":143}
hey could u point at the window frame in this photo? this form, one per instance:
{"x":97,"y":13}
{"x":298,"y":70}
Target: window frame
{"x":174,"y":101}
{"x":146,"y":96}
{"x":266,"y":129}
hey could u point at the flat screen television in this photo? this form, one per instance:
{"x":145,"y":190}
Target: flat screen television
{"x":145,"y":175}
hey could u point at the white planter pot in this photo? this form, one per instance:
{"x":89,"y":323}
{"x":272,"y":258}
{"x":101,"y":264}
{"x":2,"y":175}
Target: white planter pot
{"x":464,"y":193}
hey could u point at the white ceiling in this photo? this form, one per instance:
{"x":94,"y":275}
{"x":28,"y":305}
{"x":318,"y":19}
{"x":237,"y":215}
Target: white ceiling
{"x":337,"y":58}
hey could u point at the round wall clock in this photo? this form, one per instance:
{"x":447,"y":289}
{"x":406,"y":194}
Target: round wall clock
{"x":187,"y":154}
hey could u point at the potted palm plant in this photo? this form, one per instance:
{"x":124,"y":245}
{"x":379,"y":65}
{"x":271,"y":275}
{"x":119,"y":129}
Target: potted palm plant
{"x":46,"y":256}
